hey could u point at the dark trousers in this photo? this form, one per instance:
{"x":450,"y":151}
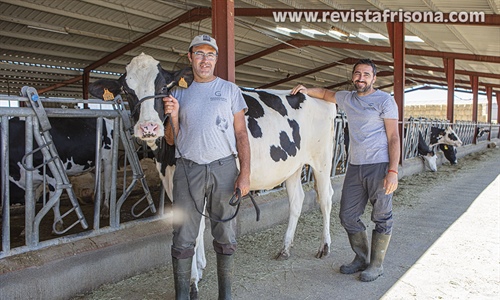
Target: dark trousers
{"x":363,"y":183}
{"x":194,"y":186}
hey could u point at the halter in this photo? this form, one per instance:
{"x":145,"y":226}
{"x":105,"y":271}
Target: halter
{"x":165,"y":88}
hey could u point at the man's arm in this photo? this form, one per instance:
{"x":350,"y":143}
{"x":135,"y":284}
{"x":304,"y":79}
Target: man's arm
{"x":391,"y":179}
{"x":243,"y":147}
{"x":319,"y":93}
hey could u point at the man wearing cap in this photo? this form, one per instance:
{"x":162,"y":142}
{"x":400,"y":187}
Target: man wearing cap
{"x":210,"y":132}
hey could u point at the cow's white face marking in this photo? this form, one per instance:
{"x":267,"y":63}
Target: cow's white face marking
{"x":430,"y":161}
{"x":141,"y":75}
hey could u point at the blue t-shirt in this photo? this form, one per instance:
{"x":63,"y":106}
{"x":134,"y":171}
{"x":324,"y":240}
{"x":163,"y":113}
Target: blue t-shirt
{"x":206,"y":120}
{"x":367,"y":135}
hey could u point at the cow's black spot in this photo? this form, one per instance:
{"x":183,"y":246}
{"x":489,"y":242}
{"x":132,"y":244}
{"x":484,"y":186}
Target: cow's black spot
{"x":255,"y":110}
{"x":287,"y":144}
{"x":69,"y":166}
{"x":296,"y":100}
{"x":452,"y":137}
{"x":272,"y":101}
{"x":277,"y":154}
{"x":254,"y":128}
{"x":295,"y":132}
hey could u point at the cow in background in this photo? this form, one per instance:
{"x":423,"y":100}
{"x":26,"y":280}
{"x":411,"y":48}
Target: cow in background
{"x":450,"y":153}
{"x":428,"y":155}
{"x":447,"y":140}
{"x":75,"y":141}
{"x":285,"y":133}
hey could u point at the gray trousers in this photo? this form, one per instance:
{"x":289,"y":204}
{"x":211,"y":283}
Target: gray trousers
{"x":363,"y":183}
{"x":195,"y":185}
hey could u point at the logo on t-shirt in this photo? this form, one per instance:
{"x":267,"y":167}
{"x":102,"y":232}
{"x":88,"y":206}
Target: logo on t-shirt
{"x":218,"y":97}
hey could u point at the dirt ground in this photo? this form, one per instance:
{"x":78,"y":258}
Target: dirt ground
{"x":425,"y":206}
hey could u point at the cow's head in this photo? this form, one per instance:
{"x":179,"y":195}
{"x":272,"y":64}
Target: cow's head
{"x":145,"y":83}
{"x":450,"y":152}
{"x":430,"y":161}
{"x":444,"y":136}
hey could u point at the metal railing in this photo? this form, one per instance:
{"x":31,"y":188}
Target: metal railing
{"x":32,"y":211}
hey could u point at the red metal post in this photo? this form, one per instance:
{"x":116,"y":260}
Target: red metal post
{"x":489,"y":96}
{"x":475,"y":97}
{"x":449,"y":67}
{"x":223,"y":32}
{"x":398,"y":52}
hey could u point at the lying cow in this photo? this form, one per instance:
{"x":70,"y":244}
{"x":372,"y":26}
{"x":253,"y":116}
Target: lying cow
{"x":75,"y":141}
{"x":285,"y":133}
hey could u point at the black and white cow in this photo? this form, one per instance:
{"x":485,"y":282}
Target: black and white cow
{"x":450,"y":153}
{"x":447,"y":140}
{"x":429,"y":156}
{"x":285,"y":132}
{"x":75,"y":141}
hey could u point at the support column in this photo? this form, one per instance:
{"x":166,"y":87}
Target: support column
{"x":449,"y":67}
{"x":489,"y":96}
{"x":475,"y":97}
{"x":223,"y":32}
{"x":397,"y":34}
{"x":497,"y":94}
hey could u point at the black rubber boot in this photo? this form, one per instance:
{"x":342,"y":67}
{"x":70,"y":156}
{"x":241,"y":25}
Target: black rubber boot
{"x":182,"y":277}
{"x":380,"y":242}
{"x":359,"y":244}
{"x":225,"y":275}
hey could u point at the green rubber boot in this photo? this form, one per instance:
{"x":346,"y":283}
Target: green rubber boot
{"x":182,"y":277}
{"x":380,"y":242}
{"x":225,"y":275}
{"x":359,"y":244}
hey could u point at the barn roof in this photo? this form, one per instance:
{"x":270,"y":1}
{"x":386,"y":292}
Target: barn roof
{"x":44,"y":43}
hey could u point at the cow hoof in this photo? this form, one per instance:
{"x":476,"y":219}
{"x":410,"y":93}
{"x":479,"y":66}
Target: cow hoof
{"x":193,"y":293}
{"x":323,"y":252}
{"x":283,"y":255}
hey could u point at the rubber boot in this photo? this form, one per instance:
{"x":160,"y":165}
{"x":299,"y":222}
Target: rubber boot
{"x":225,"y":275}
{"x":379,"y":246}
{"x":359,"y":244}
{"x":182,"y":277}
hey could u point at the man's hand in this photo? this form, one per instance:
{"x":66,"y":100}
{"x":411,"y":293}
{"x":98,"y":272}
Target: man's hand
{"x":171,"y":106}
{"x":299,"y":89}
{"x":390,"y":183}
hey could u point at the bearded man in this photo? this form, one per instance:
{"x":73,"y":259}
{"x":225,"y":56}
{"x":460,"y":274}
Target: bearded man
{"x":372,"y":173}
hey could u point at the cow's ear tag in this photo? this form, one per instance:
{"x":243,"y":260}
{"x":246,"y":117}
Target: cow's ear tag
{"x":445,"y":147}
{"x":107,"y":95}
{"x":182,"y":83}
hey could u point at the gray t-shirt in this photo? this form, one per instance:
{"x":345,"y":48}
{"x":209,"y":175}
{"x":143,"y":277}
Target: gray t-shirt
{"x":367,"y":135}
{"x":206,"y":118}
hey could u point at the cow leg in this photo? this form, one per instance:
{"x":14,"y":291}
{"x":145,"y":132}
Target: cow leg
{"x":295,"y":199}
{"x":324,"y":193}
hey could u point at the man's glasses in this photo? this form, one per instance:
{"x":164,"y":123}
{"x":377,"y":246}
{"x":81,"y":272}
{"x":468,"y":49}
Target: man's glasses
{"x":208,"y":56}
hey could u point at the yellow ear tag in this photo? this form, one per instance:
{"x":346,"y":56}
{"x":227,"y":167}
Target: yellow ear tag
{"x":182,"y":83}
{"x":445,"y":147}
{"x":107,"y":95}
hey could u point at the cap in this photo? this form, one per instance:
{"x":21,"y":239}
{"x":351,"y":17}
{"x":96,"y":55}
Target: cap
{"x":204,"y":39}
